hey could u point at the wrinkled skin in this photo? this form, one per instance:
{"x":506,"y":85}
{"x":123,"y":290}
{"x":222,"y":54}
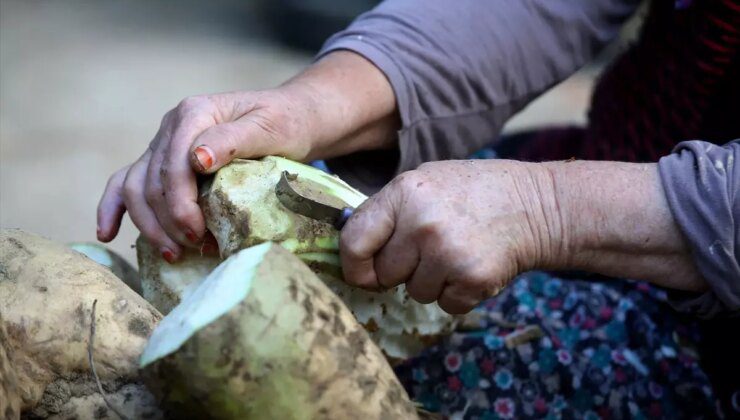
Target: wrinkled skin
{"x":458,"y":231}
{"x":453,"y":245}
{"x":314,"y":115}
{"x":159,"y":190}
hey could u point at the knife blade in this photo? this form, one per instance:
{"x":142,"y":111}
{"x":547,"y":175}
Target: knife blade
{"x":304,"y":197}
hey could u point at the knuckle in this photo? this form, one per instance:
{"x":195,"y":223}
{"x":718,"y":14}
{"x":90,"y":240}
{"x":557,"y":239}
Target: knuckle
{"x":180,"y":214}
{"x":408,"y":179}
{"x":190,"y":102}
{"x":113,"y":181}
{"x":406,"y":186}
{"x":121,"y":173}
{"x":273,"y":125}
{"x":166,"y":118}
{"x":349,"y":248}
{"x":117,"y":179}
{"x":130,"y":189}
{"x":192,"y":105}
{"x":426,"y":167}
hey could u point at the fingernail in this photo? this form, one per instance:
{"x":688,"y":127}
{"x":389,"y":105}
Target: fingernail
{"x":168,"y":255}
{"x":204,"y":156}
{"x":191,"y":236}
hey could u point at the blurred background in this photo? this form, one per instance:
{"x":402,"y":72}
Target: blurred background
{"x":83,"y":85}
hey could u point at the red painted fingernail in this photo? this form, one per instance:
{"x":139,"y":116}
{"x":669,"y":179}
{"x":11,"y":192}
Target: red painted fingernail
{"x":191,"y":236}
{"x":204,"y":156}
{"x":168,"y":255}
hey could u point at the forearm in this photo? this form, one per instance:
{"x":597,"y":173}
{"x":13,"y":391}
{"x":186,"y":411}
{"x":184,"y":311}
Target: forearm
{"x":348,"y":105}
{"x":614,"y":219}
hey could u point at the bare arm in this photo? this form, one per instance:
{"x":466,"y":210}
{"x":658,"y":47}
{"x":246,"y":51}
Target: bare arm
{"x":457,"y":232}
{"x":616,"y":221}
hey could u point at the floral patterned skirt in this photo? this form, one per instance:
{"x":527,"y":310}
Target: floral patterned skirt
{"x":548,"y":347}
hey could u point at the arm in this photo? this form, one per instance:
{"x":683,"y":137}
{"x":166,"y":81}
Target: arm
{"x":345,"y":103}
{"x":460,"y":69}
{"x":617,"y":222}
{"x":457,"y":232}
{"x":341,"y":104}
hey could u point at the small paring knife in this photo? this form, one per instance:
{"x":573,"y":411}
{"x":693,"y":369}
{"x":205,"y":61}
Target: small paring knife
{"x":306,"y":204}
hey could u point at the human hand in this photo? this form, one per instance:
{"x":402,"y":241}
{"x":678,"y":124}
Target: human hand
{"x":321,"y":113}
{"x":455,"y":232}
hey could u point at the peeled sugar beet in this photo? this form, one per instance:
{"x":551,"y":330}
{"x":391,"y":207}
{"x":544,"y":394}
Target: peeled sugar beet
{"x":263,"y":338}
{"x":242,"y":210}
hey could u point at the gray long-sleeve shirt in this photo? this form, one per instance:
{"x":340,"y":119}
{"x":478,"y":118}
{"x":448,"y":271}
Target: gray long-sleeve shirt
{"x":460,"y":69}
{"x":702,"y":184}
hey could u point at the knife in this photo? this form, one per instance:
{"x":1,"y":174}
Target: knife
{"x":302,"y":199}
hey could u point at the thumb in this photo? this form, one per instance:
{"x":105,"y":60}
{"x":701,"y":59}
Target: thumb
{"x":364,"y":235}
{"x":223,"y":143}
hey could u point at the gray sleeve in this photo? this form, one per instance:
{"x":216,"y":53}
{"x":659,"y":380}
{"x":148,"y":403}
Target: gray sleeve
{"x":702,"y":184}
{"x":460,"y":69}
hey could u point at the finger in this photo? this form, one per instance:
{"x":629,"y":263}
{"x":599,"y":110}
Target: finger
{"x":157,"y":200}
{"x":111,"y":207}
{"x":179,"y":184}
{"x":455,"y":300}
{"x":396,"y":261}
{"x":427,"y":281}
{"x":143,"y":216}
{"x":362,"y":237}
{"x":243,"y":138}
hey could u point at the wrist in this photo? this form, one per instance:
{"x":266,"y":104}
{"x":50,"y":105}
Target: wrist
{"x":551,"y":238}
{"x":617,"y":222}
{"x":345,"y":104}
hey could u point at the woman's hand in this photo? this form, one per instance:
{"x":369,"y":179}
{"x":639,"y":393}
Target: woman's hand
{"x":457,"y":232}
{"x":339,"y":105}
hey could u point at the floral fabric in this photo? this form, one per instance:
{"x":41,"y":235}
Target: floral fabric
{"x":608,"y":350}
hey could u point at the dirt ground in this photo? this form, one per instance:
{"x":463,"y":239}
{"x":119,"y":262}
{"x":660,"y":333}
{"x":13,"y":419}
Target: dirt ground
{"x":83,"y":85}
